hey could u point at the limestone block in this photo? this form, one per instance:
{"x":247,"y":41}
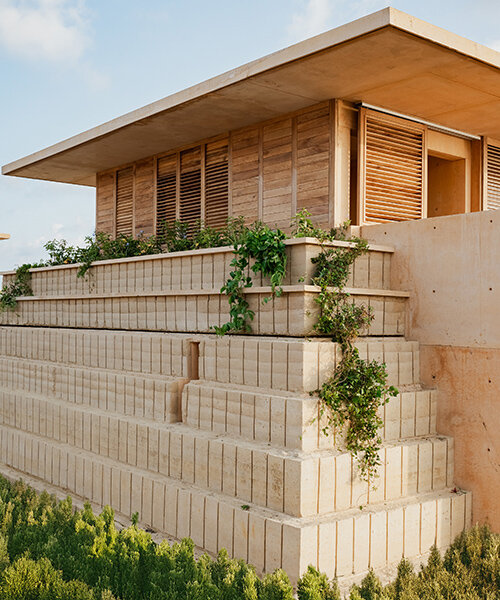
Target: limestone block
{"x":345,"y":549}
{"x":241,"y":525}
{"x":211,"y":524}
{"x":428,"y":525}
{"x":378,"y":539}
{"x":395,"y":535}
{"x":197,"y":526}
{"x":226,"y":524}
{"x":361,"y":543}
{"x":274,"y":545}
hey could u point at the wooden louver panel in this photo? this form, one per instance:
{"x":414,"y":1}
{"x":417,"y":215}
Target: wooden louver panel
{"x":392,"y":169}
{"x":166,"y":191}
{"x":216,"y":184}
{"x":493,"y":177}
{"x":125,"y":201}
{"x":190,"y":186}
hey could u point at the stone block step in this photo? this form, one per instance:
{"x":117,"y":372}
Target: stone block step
{"x":285,"y":364}
{"x":341,"y":545}
{"x":194,"y":270}
{"x":291,"y":482}
{"x":150,"y":396}
{"x":293,"y":313}
{"x":293,"y":421}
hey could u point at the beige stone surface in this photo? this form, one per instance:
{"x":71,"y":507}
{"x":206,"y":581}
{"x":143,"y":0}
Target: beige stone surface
{"x":450,"y":266}
{"x":219,"y":438}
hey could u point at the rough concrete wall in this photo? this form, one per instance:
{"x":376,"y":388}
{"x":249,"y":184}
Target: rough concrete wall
{"x":450,"y":266}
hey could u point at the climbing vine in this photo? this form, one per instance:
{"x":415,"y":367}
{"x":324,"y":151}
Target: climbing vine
{"x":21,"y":286}
{"x":351,"y":397}
{"x":259,"y":249}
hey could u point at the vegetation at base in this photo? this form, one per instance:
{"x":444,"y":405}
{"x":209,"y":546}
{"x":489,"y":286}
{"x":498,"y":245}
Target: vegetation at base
{"x":48,"y":551}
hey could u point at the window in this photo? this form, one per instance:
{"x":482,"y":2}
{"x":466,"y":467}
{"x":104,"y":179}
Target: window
{"x":492,"y":177}
{"x":193,"y":185}
{"x":392,"y":168}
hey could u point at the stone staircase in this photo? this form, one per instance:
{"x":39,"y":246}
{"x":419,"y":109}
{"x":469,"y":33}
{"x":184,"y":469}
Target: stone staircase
{"x":218,"y":438}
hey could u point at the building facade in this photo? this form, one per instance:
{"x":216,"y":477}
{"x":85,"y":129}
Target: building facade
{"x":117,"y":390}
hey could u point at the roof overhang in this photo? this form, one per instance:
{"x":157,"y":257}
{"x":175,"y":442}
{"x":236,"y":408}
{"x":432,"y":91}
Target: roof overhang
{"x":4,"y":236}
{"x":388,"y":59}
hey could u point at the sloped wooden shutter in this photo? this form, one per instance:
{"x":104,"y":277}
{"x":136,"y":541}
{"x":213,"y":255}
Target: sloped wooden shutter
{"x":392,"y":168}
{"x":190,"y":186}
{"x":216,"y":183}
{"x":125,"y":201}
{"x":492,"y":177}
{"x":166,"y":191}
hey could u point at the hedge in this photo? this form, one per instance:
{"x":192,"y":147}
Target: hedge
{"x":49,"y":551}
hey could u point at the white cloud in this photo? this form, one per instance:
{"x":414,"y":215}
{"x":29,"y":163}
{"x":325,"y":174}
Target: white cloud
{"x":316,"y":16}
{"x":48,"y":29}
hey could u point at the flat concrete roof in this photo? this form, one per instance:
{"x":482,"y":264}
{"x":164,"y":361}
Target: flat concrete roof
{"x":388,"y":59}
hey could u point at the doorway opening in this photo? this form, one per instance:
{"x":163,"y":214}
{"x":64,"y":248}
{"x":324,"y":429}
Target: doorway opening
{"x":446,"y":178}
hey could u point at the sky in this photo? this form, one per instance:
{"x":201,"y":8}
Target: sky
{"x":69,"y":65}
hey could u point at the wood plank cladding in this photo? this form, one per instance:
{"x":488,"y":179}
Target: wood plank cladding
{"x":283,"y":166}
{"x":216,"y":183}
{"x":190,"y":186}
{"x":492,"y":176}
{"x":392,"y":168}
{"x":125,"y":201}
{"x":267,"y":172}
{"x":245,"y":165}
{"x":105,"y":203}
{"x":313,"y":138}
{"x":166,"y":190}
{"x":144,"y":197}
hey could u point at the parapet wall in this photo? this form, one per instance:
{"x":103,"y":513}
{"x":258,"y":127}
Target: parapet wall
{"x":450,"y":266}
{"x":180,"y":292}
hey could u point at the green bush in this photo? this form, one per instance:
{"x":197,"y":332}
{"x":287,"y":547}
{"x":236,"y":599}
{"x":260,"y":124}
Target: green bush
{"x":48,"y":551}
{"x":27,"y":579}
{"x":83,"y":554}
{"x":469,"y":570}
{"x":315,"y":586}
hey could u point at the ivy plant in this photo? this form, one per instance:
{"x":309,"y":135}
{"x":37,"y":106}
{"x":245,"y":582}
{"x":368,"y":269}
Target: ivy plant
{"x":21,"y":286}
{"x":259,"y":249}
{"x":351,"y":397}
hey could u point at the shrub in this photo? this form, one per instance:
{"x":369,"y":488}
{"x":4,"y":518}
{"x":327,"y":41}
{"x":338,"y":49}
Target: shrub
{"x":315,"y":586}
{"x":27,"y":579}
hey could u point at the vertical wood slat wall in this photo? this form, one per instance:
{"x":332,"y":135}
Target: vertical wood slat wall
{"x":392,"y":177}
{"x":492,"y":175}
{"x":267,"y":171}
{"x":125,"y":201}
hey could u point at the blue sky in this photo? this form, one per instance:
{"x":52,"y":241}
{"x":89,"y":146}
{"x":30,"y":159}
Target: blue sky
{"x":68,"y":65}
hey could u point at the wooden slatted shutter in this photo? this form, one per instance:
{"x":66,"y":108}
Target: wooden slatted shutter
{"x":125,"y":201}
{"x":392,"y":168}
{"x":166,"y":191}
{"x":190,"y":186}
{"x":492,"y":177}
{"x":216,"y":183}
